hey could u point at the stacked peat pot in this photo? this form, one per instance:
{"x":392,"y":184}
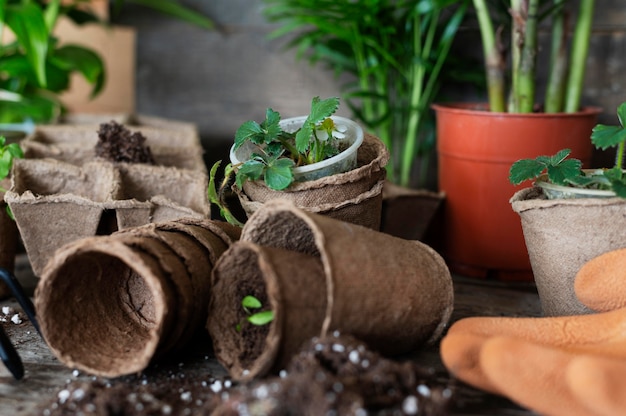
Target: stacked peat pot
{"x":320,"y":275}
{"x":65,"y":190}
{"x":109,"y":305}
{"x":354,"y":196}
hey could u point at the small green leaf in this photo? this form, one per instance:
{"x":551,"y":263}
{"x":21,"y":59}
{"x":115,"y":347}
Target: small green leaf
{"x":261,"y":318}
{"x":525,"y":169}
{"x":559,"y":157}
{"x":251,"y":302}
{"x":271,"y":126}
{"x":564,"y":171}
{"x":252,"y":169}
{"x":303,"y":137}
{"x":5,"y":164}
{"x":619,"y":187}
{"x":604,"y":137}
{"x":247,"y":131}
{"x":278,"y":175}
{"x":322,"y":109}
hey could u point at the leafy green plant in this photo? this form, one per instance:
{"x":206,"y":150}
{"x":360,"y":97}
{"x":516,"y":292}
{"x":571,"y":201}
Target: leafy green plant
{"x":35,"y":68}
{"x":277,"y":151}
{"x":568,"y":172}
{"x":216,"y":194}
{"x":250,"y":303}
{"x":395,"y":55}
{"x":8,"y":152}
{"x":565,"y":79}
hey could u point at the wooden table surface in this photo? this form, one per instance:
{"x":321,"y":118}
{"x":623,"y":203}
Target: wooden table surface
{"x":45,"y":377}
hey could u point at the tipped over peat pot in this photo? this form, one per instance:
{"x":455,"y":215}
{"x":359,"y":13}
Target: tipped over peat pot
{"x":109,"y":305}
{"x":318,"y":275}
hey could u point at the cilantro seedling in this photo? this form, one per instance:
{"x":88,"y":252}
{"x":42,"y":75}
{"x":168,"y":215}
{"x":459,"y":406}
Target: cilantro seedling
{"x":250,"y":303}
{"x":565,"y":171}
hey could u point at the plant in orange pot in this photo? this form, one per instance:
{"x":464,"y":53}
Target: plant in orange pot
{"x":477,"y":143}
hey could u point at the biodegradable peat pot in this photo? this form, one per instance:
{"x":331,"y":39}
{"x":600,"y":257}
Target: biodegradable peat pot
{"x":291,"y":284}
{"x":561,"y":236}
{"x":109,"y":305}
{"x":354,"y":196}
{"x":55,"y":203}
{"x":409,"y":213}
{"x":396,"y":295}
{"x":75,"y":144}
{"x":481,"y":235}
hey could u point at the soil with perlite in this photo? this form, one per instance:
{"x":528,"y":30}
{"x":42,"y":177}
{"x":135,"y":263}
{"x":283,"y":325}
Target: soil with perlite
{"x":336,"y":375}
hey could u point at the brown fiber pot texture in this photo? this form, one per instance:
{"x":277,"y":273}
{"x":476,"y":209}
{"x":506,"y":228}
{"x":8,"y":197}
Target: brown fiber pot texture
{"x":296,"y":290}
{"x":109,"y":305}
{"x":561,"y":236}
{"x":354,"y":196}
{"x":394,"y":294}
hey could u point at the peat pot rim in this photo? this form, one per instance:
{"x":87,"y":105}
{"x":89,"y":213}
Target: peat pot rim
{"x":533,"y":198}
{"x":50,"y":300}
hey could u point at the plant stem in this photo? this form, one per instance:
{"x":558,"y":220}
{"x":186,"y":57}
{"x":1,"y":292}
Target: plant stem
{"x":524,"y":91}
{"x":555,"y":88}
{"x":619,"y":157}
{"x":580,"y":50}
{"x":494,"y":61}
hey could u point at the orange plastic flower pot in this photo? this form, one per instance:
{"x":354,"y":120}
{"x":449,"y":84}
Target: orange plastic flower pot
{"x":481,"y":235}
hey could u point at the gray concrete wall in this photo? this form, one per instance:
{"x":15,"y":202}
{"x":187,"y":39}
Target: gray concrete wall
{"x":219,"y":80}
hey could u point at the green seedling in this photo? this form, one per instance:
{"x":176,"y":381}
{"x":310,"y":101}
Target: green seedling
{"x":277,"y":152}
{"x":562,"y":170}
{"x":216,"y":195}
{"x":250,"y":303}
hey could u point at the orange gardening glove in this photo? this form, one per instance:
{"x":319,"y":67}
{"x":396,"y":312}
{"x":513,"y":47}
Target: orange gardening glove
{"x":571,"y":365}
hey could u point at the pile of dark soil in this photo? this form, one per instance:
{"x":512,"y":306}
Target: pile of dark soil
{"x":336,"y":375}
{"x":117,"y":144}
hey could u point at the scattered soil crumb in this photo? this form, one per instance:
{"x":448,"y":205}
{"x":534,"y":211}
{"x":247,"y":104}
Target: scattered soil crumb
{"x":118,"y":144}
{"x":334,"y":375}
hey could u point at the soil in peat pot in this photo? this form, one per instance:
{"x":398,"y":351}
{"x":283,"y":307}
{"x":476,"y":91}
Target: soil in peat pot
{"x":252,"y":336}
{"x":118,"y":144}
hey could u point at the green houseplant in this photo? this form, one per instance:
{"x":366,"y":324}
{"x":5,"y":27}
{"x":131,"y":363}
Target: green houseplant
{"x":478,"y":142}
{"x":395,"y":53}
{"x":570,"y":215}
{"x":35,"y":68}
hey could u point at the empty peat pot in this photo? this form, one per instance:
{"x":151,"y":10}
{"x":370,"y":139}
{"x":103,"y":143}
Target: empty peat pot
{"x":108,"y":305}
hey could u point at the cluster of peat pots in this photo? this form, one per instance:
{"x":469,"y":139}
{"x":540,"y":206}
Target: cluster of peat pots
{"x":159,"y":283}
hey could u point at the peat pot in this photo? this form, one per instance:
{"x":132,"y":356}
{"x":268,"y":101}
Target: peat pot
{"x":481,"y":236}
{"x":561,"y":236}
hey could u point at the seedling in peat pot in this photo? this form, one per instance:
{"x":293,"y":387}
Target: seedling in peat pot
{"x":564,"y":171}
{"x":249,"y":303}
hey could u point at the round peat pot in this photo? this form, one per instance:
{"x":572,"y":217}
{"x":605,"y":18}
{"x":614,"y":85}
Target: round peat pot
{"x":394,"y":294}
{"x":345,"y":161}
{"x":291,"y":285}
{"x":481,"y":236}
{"x":561,"y":236}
